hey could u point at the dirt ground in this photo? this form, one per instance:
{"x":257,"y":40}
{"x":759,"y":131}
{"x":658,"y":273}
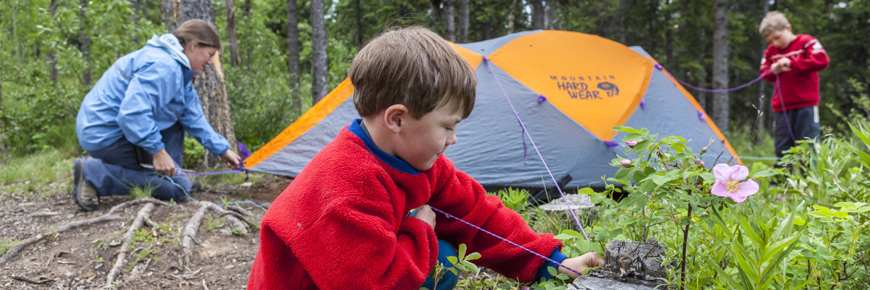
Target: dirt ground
{"x":81,"y":258}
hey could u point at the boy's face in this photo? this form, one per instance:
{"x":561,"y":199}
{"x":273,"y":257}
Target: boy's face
{"x":780,"y":38}
{"x":422,"y":141}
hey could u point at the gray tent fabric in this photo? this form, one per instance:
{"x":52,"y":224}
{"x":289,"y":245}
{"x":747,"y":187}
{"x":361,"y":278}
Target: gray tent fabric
{"x":490,"y":141}
{"x":291,"y":159}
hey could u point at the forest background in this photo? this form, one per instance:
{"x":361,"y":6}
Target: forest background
{"x":280,"y":56}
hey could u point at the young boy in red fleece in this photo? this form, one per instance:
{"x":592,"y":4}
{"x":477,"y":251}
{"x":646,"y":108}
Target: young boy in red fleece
{"x":797,"y":60}
{"x":343,"y":223}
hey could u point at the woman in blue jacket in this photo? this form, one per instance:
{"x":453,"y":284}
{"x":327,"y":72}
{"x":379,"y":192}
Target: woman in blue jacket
{"x":136,"y":116}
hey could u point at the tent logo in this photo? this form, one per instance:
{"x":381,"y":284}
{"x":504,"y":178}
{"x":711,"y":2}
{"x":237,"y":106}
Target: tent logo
{"x":577,"y":88}
{"x":611,"y":88}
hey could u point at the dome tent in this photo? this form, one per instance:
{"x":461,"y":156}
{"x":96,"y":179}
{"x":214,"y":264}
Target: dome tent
{"x":569,"y":88}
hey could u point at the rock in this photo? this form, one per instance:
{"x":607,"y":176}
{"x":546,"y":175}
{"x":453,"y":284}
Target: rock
{"x":581,"y":204}
{"x":635,"y":264}
{"x":595,"y":283}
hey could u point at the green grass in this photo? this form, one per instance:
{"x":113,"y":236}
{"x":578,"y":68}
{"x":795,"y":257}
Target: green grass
{"x":5,"y":244}
{"x":751,"y":144}
{"x":33,"y":172}
{"x":141,"y":192}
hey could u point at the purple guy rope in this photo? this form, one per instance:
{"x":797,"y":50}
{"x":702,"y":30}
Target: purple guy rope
{"x":505,"y":240}
{"x":486,"y":62}
{"x":662,"y":68}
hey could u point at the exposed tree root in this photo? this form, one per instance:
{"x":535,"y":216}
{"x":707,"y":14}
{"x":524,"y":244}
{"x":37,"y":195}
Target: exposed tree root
{"x":136,"y":202}
{"x":232,"y":217}
{"x":241,"y":210}
{"x":128,"y":240}
{"x":189,"y":232}
{"x":65,"y":227}
{"x":33,"y":215}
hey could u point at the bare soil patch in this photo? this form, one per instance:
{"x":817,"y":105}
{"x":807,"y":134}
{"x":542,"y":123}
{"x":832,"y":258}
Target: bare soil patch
{"x":82,"y":258}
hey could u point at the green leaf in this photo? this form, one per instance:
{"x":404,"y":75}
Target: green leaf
{"x":453,"y":260}
{"x":661,"y":179}
{"x":763,"y":173}
{"x":552,"y":271}
{"x":472,"y":256}
{"x":625,"y":129}
{"x":708,"y":177}
{"x":462,"y":249}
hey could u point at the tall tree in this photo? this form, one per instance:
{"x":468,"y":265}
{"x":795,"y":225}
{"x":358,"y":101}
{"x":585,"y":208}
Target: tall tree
{"x":320,"y":65}
{"x":293,"y":47}
{"x":250,"y":47}
{"x":171,"y":10}
{"x":1,"y":74}
{"x":231,"y":31}
{"x":720,"y":63}
{"x":357,"y":9}
{"x":463,"y":21}
{"x":52,"y":55}
{"x":134,"y":37}
{"x":551,"y":22}
{"x":85,"y":42}
{"x":537,"y":14}
{"x":211,"y":83}
{"x":762,"y":85}
{"x":449,"y":26}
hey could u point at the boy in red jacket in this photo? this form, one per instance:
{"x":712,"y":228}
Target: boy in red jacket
{"x":796,"y":60}
{"x":343,"y":223}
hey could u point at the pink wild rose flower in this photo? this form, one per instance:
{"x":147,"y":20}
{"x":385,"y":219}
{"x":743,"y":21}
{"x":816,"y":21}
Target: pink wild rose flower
{"x":730,"y":182}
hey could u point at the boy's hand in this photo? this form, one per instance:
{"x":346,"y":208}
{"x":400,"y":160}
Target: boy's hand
{"x":780,"y":65}
{"x":588,"y":260}
{"x":426,"y":214}
{"x":231,"y":159}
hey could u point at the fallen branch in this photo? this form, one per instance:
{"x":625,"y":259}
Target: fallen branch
{"x":33,"y":215}
{"x":42,"y":280}
{"x":128,"y":240}
{"x":65,"y":227}
{"x":136,"y":202}
{"x":190,"y":231}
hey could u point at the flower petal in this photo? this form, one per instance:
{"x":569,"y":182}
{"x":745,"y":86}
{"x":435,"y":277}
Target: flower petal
{"x":719,"y":189}
{"x":747,"y":188}
{"x":721,"y":172}
{"x":739,"y":172}
{"x":738,"y":199}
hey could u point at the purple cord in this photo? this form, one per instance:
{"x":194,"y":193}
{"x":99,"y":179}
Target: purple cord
{"x":503,"y":239}
{"x":662,"y":68}
{"x":486,"y":61}
{"x":778,"y":94}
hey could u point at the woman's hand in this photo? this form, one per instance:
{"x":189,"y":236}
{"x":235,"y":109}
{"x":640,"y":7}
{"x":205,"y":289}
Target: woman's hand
{"x":163,"y":163}
{"x":231,"y":159}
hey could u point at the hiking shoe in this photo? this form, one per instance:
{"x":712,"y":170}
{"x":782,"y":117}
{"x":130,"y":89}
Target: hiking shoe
{"x":83,"y":192}
{"x":195,"y":186}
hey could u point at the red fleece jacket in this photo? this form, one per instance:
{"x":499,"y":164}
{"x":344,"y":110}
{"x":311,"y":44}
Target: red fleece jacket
{"x":342,"y":224}
{"x":800,"y":82}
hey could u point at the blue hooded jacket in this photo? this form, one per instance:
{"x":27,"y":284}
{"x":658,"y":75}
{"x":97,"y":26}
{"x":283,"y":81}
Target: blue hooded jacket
{"x":143,"y":93}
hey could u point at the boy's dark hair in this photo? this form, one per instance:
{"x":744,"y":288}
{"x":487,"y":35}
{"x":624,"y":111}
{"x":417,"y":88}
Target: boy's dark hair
{"x":414,"y":67}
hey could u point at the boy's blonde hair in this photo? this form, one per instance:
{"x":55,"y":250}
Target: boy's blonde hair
{"x":414,"y":67}
{"x":773,"y":21}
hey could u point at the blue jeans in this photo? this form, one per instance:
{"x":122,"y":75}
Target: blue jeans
{"x":448,"y":280}
{"x":115,"y":170}
{"x":800,"y":123}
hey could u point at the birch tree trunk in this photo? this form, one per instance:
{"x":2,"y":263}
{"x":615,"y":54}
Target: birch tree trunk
{"x":463,"y":22}
{"x":320,"y":65}
{"x":551,"y":8}
{"x":85,"y":42}
{"x":52,"y":55}
{"x":720,"y":64}
{"x":537,"y":14}
{"x":231,"y":31}
{"x":211,"y":83}
{"x":449,"y":26}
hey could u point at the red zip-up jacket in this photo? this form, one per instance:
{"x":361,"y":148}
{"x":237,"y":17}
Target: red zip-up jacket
{"x":799,"y":84}
{"x":343,"y":224}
